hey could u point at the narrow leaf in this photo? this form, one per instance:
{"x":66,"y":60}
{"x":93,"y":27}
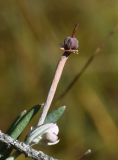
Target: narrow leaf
{"x":21,"y":123}
{"x":17,"y":128}
{"x":55,"y":115}
{"x":15,"y":122}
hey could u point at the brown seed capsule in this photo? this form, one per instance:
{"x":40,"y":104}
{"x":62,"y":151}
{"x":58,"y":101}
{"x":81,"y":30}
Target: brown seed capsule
{"x":71,"y":43}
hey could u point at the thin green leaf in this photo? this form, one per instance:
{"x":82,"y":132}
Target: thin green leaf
{"x":15,"y":122}
{"x":21,"y":123}
{"x":17,"y":128}
{"x":55,"y":115}
{"x":9,"y":131}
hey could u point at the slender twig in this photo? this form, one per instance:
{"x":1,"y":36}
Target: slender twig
{"x":53,"y":87}
{"x":86,"y":65}
{"x":75,"y":30}
{"x":24,"y":148}
{"x":56,"y":79}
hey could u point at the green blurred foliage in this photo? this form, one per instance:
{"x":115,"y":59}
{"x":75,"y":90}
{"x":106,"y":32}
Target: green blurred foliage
{"x":30,"y":36}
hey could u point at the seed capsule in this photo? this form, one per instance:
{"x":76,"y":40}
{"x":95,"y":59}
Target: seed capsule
{"x":71,"y":43}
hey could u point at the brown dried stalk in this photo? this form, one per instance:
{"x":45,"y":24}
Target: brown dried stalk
{"x":70,"y":46}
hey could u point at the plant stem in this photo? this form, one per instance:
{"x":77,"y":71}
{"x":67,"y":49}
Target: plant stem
{"x":24,"y":148}
{"x":70,"y":49}
{"x":53,"y":87}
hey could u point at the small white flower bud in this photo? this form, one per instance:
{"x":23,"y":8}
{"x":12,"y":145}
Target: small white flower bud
{"x":50,"y":137}
{"x":44,"y":134}
{"x":53,"y":129}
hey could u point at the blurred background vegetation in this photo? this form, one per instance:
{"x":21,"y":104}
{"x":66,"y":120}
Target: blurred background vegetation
{"x":31,"y":33}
